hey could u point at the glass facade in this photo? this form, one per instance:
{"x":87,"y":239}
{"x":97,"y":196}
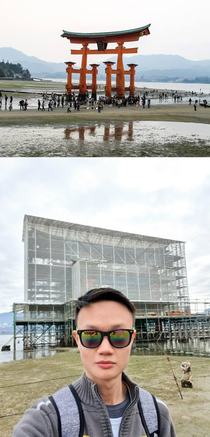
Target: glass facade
{"x":64,"y":260}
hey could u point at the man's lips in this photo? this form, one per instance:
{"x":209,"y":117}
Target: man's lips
{"x":105,"y":364}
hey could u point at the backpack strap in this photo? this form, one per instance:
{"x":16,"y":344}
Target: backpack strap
{"x":149,"y":412}
{"x":69,"y":411}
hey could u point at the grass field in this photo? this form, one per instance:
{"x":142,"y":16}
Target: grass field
{"x":22,"y":382}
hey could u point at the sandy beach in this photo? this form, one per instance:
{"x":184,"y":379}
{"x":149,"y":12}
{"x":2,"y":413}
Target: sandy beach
{"x":22,"y":382}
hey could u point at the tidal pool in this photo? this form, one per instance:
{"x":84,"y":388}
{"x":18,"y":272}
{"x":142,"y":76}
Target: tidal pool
{"x":138,"y":138}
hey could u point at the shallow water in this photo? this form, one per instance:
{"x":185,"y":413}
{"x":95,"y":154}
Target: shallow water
{"x":138,"y":138}
{"x":194,"y":347}
{"x":20,"y":354}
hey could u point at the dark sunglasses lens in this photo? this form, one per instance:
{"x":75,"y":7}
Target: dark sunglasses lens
{"x":120,"y":338}
{"x":90,"y":339}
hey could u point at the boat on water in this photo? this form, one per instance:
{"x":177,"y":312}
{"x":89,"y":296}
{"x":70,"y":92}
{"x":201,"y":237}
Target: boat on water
{"x":6,"y":347}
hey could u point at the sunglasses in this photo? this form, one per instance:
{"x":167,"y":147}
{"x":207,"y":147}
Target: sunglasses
{"x":92,"y":338}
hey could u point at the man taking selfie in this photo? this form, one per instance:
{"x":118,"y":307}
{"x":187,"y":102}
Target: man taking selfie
{"x":103,"y":402}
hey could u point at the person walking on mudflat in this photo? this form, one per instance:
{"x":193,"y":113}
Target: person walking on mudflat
{"x":103,"y":402}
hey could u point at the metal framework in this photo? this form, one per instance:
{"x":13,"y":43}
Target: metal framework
{"x":63,"y":260}
{"x":39,"y":325}
{"x":44,"y":325}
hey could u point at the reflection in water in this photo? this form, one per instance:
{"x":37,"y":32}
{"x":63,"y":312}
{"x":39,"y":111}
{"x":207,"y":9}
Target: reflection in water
{"x":111,"y":131}
{"x":194,"y":347}
{"x":81,"y":131}
{"x":33,"y":354}
{"x":130,"y":139}
{"x":39,"y":353}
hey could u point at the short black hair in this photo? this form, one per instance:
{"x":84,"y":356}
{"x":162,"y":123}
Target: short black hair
{"x":99,"y":294}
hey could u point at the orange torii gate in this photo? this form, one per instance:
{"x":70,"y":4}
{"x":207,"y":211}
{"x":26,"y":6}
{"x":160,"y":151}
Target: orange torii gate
{"x":102,"y":40}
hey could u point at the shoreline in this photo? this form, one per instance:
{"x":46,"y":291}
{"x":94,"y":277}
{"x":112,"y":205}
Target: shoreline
{"x":51,"y":85}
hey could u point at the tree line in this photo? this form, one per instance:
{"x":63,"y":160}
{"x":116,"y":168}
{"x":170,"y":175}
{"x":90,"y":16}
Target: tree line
{"x":11,"y":70}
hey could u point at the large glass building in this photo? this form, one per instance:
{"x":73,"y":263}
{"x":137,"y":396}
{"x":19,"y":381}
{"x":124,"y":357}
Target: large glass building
{"x":64,"y":260}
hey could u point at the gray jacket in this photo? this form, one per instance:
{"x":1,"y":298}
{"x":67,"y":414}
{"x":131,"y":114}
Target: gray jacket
{"x":41,"y":419}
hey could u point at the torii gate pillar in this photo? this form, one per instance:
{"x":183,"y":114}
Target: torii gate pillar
{"x":83,"y":85}
{"x":69,"y":71}
{"x":132,"y":76}
{"x":94,"y":81}
{"x":108,"y":89}
{"x":120,"y":78}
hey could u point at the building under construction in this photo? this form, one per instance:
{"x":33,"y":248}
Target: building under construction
{"x":63,"y":260}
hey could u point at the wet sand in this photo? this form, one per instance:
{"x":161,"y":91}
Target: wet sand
{"x":177,"y":112}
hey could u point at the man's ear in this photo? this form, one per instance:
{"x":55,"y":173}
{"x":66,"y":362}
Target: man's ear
{"x":75,"y":336}
{"x":133,"y":335}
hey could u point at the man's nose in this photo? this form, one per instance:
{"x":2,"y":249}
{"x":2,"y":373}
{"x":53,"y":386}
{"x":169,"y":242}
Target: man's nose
{"x":105,"y":344}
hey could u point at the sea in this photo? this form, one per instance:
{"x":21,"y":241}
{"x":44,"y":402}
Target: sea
{"x":197,"y":88}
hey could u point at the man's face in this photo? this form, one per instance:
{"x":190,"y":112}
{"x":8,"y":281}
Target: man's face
{"x":105,"y":362}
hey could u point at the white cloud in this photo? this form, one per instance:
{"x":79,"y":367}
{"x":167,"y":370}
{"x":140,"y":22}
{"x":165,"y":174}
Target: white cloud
{"x":185,"y":174}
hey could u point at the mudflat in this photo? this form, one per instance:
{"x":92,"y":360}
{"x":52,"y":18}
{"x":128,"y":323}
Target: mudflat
{"x":22,"y":382}
{"x":180,"y":112}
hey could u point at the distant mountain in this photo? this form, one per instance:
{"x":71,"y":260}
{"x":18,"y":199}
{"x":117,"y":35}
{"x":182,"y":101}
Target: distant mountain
{"x":6,"y":323}
{"x":167,"y":62}
{"x":37,"y":67}
{"x":150,"y":67}
{"x":159,"y":67}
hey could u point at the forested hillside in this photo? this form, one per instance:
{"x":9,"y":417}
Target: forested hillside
{"x":14,"y":71}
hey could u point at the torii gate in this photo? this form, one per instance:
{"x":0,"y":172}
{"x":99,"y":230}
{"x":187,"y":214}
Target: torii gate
{"x":102,"y":40}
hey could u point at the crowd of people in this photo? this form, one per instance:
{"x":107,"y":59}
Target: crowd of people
{"x":73,"y":101}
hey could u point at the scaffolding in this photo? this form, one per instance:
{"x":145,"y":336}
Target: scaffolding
{"x":39,"y":325}
{"x":63,"y":260}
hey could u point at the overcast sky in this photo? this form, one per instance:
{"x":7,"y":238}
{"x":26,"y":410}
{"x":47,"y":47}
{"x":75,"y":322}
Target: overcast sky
{"x":179,"y":27}
{"x":159,"y":197}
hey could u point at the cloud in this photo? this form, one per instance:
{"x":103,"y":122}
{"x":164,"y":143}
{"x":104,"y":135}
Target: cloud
{"x":185,"y":174}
